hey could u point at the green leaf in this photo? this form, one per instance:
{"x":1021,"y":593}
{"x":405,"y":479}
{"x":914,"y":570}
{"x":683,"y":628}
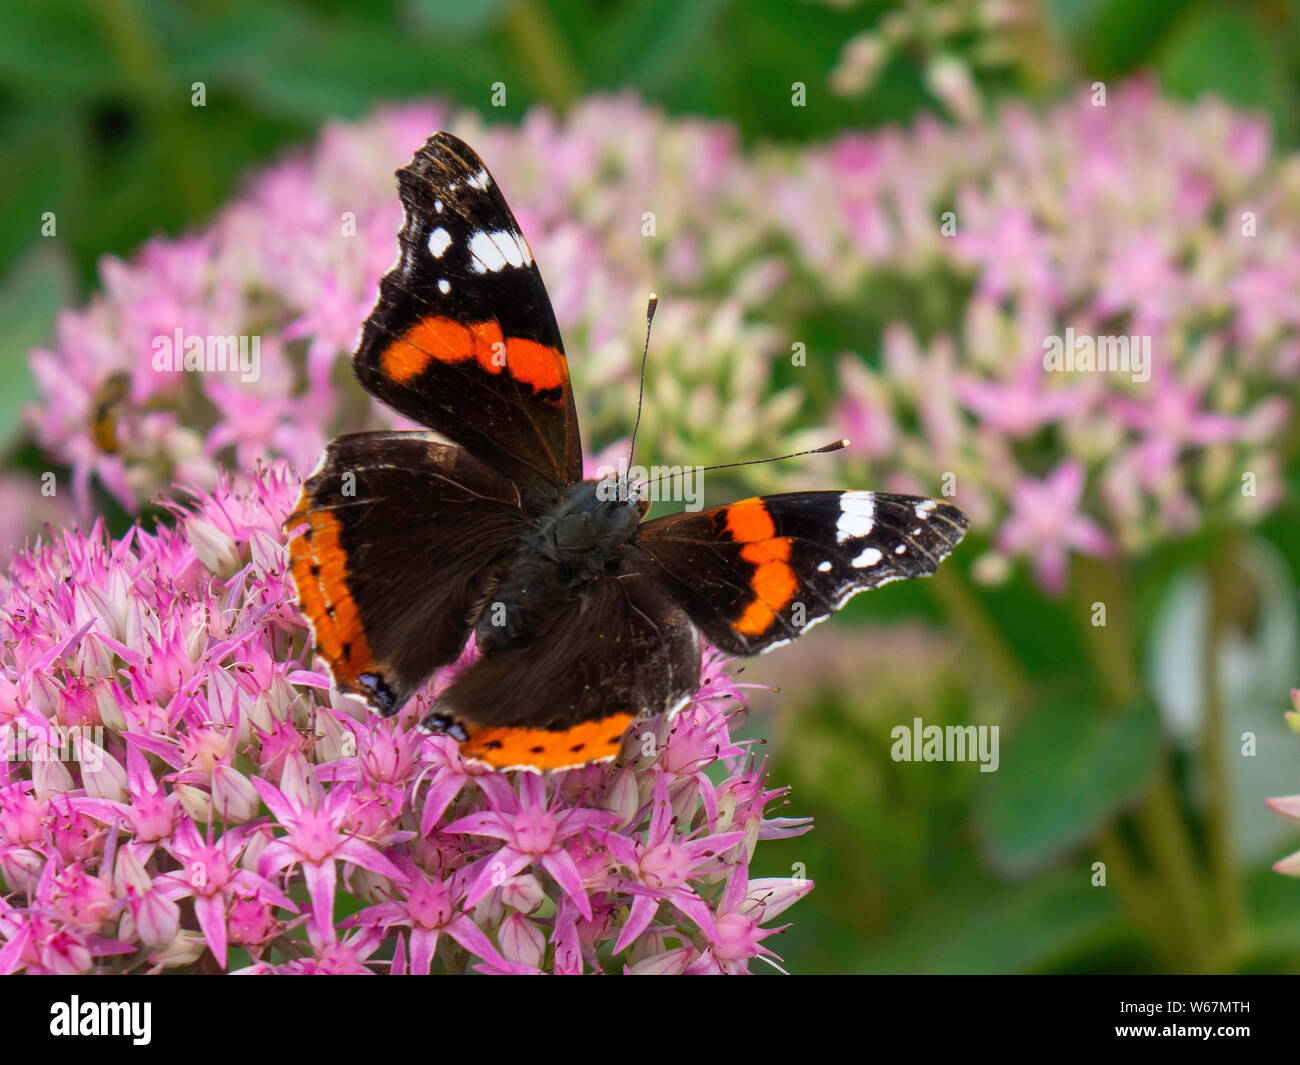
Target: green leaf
{"x":1274,"y":944}
{"x":461,"y":20}
{"x":1227,"y":54}
{"x":651,"y":44}
{"x":1114,"y":37}
{"x":1062,"y":776}
{"x":30,"y":298}
{"x":55,"y":51}
{"x":341,"y":70}
{"x":1022,"y":928}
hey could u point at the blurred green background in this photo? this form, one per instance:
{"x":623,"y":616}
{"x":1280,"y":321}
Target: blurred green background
{"x":919,"y":867}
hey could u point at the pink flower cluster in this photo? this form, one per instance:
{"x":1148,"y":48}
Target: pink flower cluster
{"x":181,"y":791}
{"x":1131,"y":220}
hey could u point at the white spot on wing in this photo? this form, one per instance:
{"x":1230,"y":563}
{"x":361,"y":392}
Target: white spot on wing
{"x":437,"y":206}
{"x":479,"y":181}
{"x":823,"y":567}
{"x":444,"y":286}
{"x":495,"y":251}
{"x":900,"y":549}
{"x":857,"y":516}
{"x":869,"y":557}
{"x":923,"y":509}
{"x":439,"y":242}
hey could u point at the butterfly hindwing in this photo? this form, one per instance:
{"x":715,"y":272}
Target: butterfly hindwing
{"x":463,"y":338}
{"x":619,"y":648}
{"x":756,"y":573}
{"x":398,"y":534}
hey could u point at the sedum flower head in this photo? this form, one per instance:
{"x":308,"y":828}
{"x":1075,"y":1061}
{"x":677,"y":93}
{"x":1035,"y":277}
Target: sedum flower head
{"x":1162,"y":224}
{"x":183,"y":791}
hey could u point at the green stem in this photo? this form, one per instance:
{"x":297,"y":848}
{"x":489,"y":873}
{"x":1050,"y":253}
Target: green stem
{"x":544,"y":53}
{"x":950,"y":588}
{"x":1218,"y":811}
{"x":1187,"y":928}
{"x":1141,"y":898}
{"x":1165,"y":839}
{"x":1112,"y":647}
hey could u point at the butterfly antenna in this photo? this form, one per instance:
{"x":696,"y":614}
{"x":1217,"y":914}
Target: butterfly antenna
{"x":834,"y":445}
{"x":640,"y":396}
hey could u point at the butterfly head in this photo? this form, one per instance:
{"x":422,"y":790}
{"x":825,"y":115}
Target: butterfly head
{"x":603,"y":512}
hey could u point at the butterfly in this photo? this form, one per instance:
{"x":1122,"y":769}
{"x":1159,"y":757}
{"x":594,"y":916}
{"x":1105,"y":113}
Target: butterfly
{"x":587,"y":617}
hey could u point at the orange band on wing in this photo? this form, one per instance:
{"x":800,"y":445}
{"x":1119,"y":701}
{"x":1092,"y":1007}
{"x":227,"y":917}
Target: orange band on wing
{"x":539,"y":748}
{"x":538,"y":365}
{"x":773,"y":581}
{"x":489,"y":346}
{"x":319,"y":567}
{"x":749,"y":520}
{"x":444,"y":340}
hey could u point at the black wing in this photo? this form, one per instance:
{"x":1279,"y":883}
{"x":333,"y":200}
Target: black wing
{"x":620,"y":648}
{"x":463,"y":338}
{"x":402,"y":532}
{"x":757,"y":573}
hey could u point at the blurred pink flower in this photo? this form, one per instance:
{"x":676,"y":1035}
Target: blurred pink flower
{"x":1046,"y":524}
{"x":1124,"y":222}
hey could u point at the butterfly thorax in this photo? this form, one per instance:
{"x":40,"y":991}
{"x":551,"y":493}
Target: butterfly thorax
{"x":583,"y":537}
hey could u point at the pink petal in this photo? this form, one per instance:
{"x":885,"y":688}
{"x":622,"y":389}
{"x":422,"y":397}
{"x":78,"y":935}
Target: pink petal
{"x":211,"y":913}
{"x":363,"y":854}
{"x":446,"y":786}
{"x":560,"y":865}
{"x":496,"y":869}
{"x":283,"y":810}
{"x":644,"y":907}
{"x":321,"y":878}
{"x":424,"y":941}
{"x":483,"y":824}
{"x":471,"y":937}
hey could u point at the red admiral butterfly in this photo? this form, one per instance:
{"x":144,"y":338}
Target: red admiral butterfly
{"x":587,"y":616}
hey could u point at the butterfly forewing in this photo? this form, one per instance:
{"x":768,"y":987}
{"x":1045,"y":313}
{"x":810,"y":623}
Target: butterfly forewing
{"x":463,"y":338}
